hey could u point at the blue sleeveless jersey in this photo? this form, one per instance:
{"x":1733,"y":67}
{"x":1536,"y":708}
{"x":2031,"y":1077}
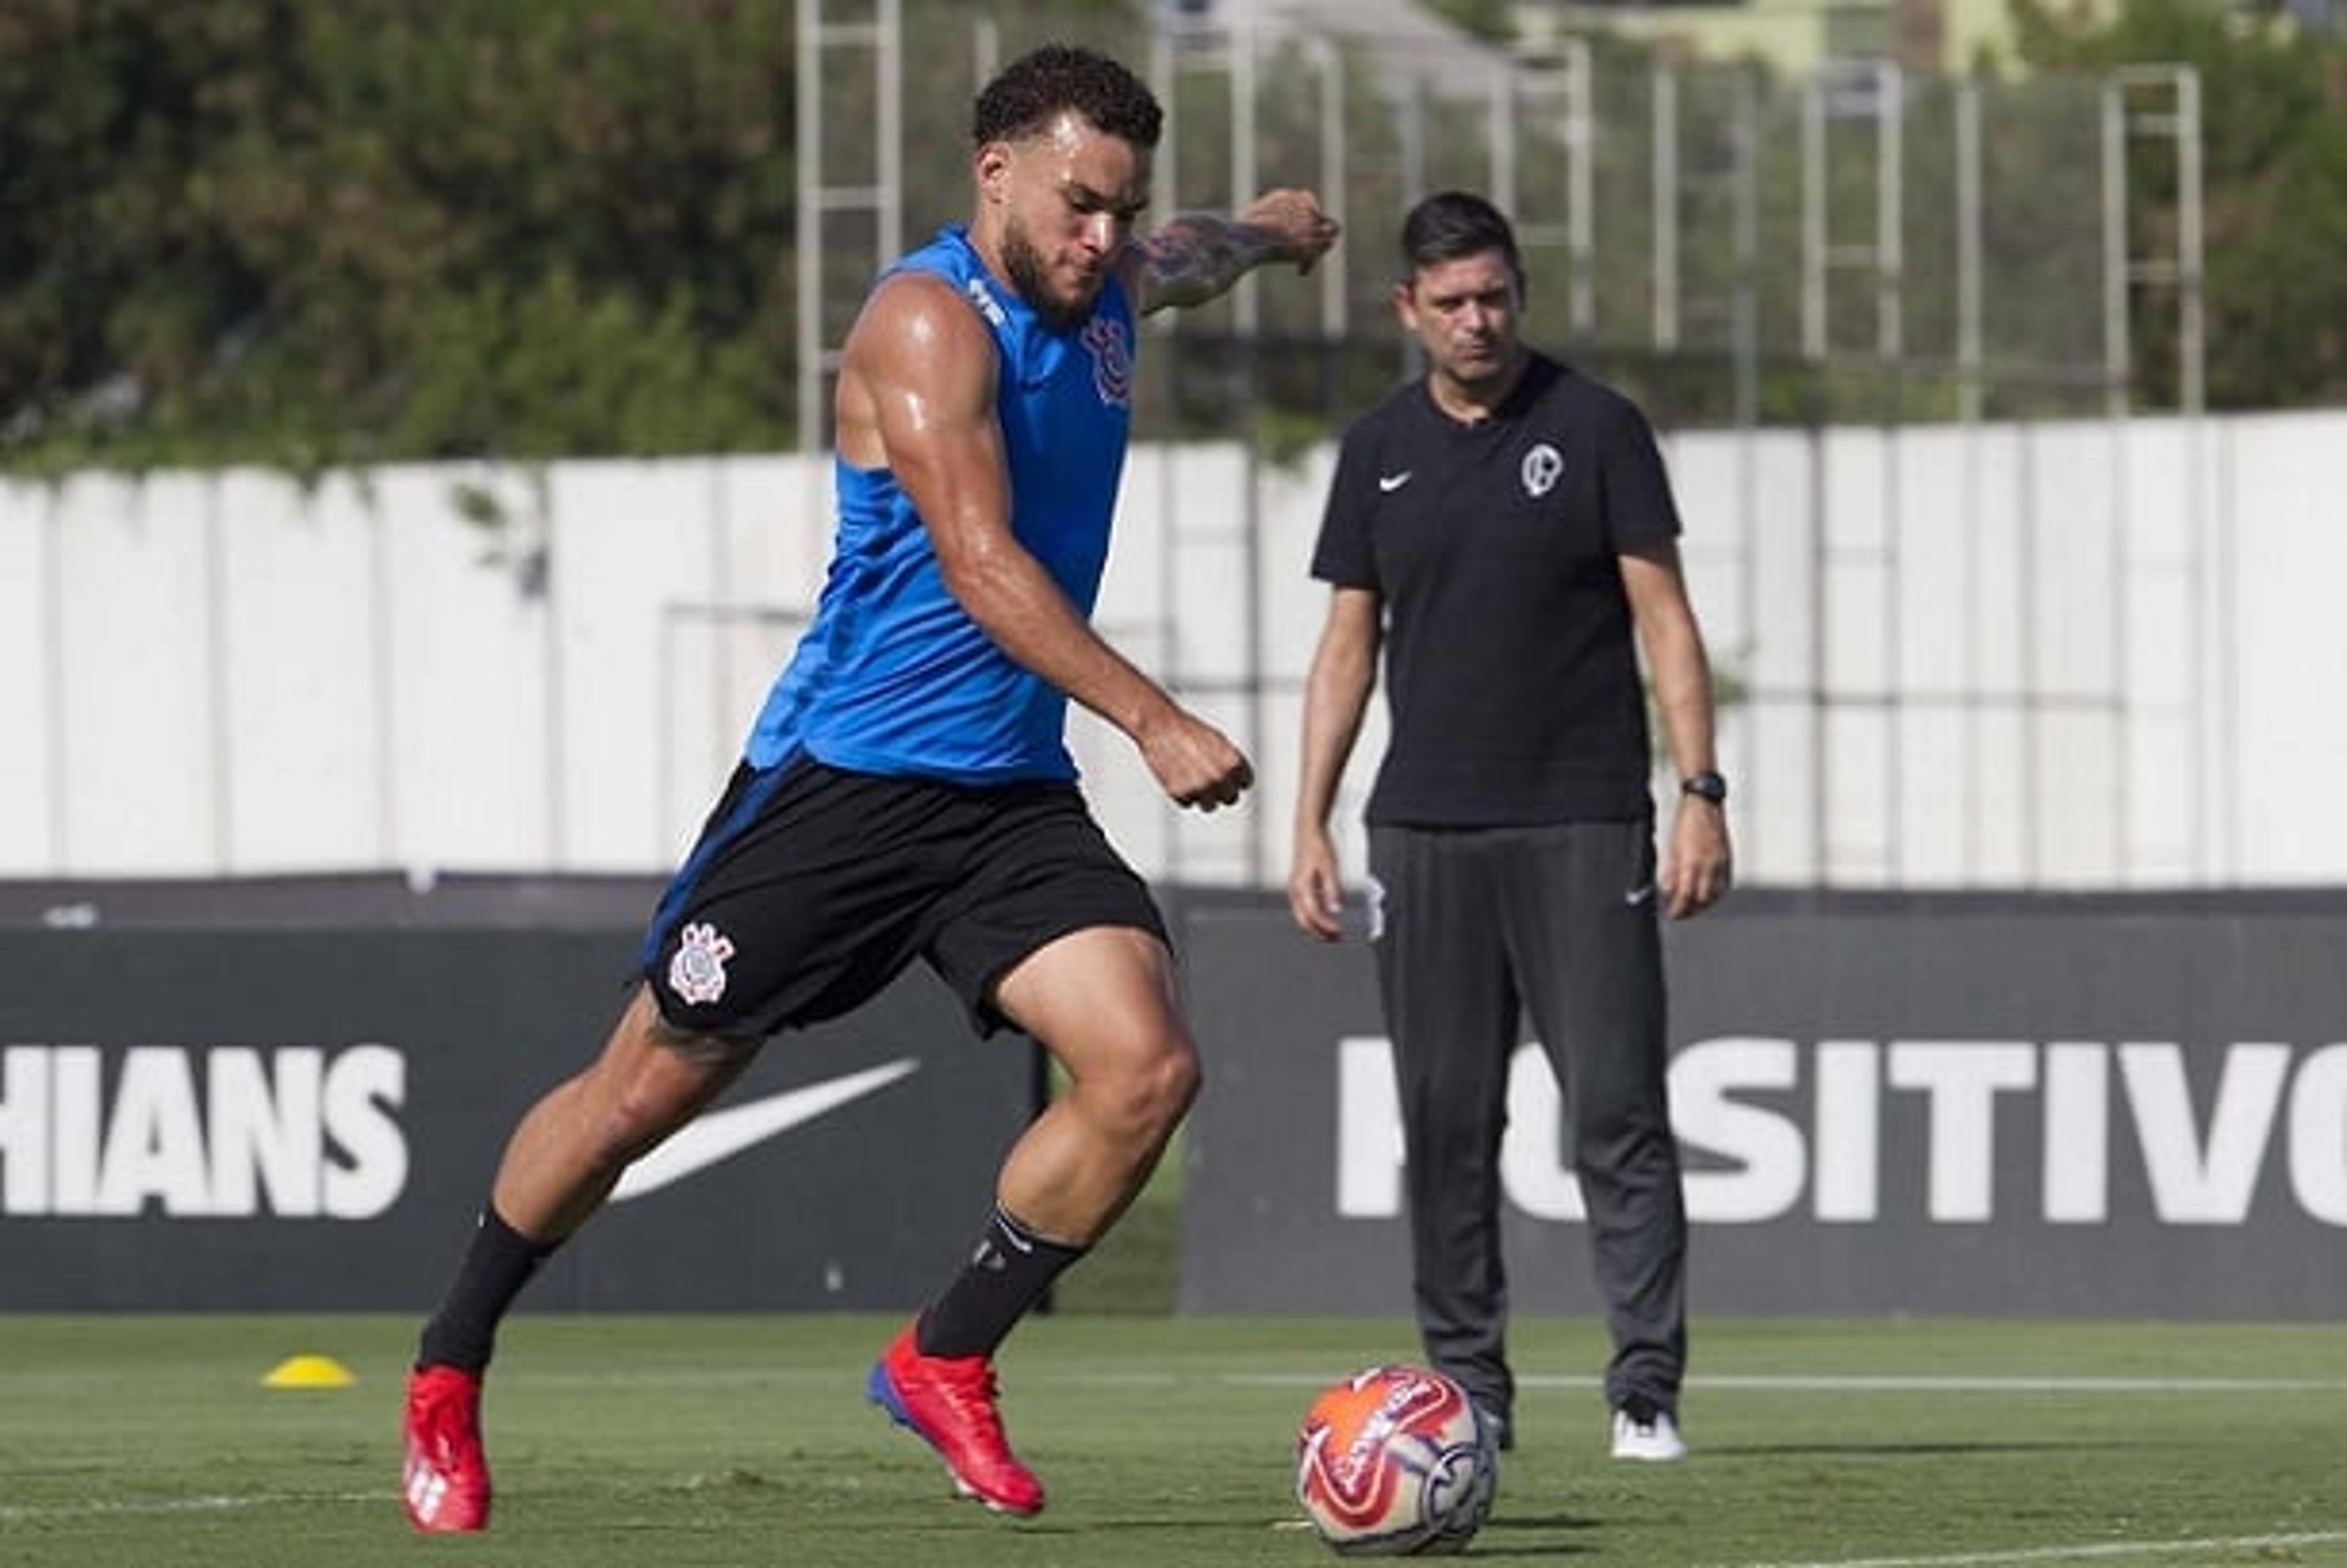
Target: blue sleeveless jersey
{"x":894,"y":677}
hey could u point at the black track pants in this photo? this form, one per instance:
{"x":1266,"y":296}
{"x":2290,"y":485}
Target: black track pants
{"x":1476,"y":930}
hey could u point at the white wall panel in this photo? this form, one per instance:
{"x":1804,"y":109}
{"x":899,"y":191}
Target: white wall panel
{"x":2076,"y":562}
{"x":2165,"y":681}
{"x":29,"y":718}
{"x":298,"y":614}
{"x":138,"y":660}
{"x":2113,"y":650}
{"x":2289,"y":689}
{"x":472,"y":712}
{"x":634,"y":544}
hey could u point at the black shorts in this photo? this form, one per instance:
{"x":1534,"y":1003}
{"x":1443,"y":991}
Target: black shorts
{"x":812,"y":887}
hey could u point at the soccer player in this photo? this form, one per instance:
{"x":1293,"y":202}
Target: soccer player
{"x":907,"y":791}
{"x":1501,"y":531}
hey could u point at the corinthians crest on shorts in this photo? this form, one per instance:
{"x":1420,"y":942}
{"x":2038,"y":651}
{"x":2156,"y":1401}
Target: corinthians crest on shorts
{"x":697,"y":972}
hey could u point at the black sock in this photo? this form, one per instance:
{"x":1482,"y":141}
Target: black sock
{"x":462,"y":1331}
{"x":1010,"y":1272}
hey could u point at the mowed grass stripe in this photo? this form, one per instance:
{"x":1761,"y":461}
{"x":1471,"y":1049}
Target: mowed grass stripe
{"x":99,"y":1507}
{"x":1875,"y":1383}
{"x":2270,"y":1548}
{"x":134,"y":1442}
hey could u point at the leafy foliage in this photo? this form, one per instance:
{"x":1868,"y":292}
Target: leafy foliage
{"x":1493,"y":19}
{"x":2274,"y":109}
{"x":308,"y":235}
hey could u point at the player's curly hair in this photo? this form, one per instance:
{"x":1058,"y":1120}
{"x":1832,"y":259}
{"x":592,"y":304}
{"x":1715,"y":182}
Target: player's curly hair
{"x":1032,"y":90}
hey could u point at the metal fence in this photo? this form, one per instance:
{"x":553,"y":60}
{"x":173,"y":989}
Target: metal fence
{"x":1903,"y":337}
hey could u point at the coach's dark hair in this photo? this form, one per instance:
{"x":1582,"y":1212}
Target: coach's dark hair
{"x":1032,"y":90}
{"x":1450,"y":224}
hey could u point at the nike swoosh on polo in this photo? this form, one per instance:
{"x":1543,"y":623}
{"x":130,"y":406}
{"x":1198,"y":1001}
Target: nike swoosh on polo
{"x":1389,"y":483}
{"x":722,"y":1134}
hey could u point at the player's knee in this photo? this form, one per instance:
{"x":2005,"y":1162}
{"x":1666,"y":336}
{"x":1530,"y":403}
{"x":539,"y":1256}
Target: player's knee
{"x":1145,"y":1095}
{"x":1186,"y":1075}
{"x":1168,"y":1084}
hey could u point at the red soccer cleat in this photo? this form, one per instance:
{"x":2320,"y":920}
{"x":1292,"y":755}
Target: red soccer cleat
{"x":947,"y":1401}
{"x":445,"y":1483}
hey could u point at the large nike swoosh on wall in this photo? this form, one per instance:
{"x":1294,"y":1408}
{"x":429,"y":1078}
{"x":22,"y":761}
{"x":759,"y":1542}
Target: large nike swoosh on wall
{"x":722,"y":1134}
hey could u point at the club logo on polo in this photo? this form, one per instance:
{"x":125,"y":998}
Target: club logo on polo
{"x":697,"y":973}
{"x":1542,"y":466}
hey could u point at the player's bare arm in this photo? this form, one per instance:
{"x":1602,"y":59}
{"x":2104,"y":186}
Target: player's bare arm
{"x":917,"y":394}
{"x":1696,"y":863}
{"x":1336,"y":696}
{"x":1195,"y":257}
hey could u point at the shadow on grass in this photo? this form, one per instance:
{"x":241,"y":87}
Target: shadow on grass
{"x":1516,"y":1536}
{"x":1522,"y":1535}
{"x":1898,"y":1450}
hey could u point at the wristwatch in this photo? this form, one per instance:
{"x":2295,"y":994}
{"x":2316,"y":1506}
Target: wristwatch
{"x":1706,"y":785}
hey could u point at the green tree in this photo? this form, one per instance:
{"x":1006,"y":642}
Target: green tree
{"x":307,"y":234}
{"x":2274,"y":113}
{"x":1491,"y":19}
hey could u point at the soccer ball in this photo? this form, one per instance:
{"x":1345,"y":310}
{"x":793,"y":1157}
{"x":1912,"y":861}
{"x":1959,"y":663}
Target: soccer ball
{"x":1394,"y":1460}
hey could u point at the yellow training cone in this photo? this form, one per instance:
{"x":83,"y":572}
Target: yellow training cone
{"x":308,"y":1372}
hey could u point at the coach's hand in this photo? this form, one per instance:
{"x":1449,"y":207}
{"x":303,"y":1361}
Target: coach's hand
{"x":1698,"y":866}
{"x":1316,"y":894}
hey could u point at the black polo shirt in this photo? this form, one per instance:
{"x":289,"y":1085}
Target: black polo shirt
{"x":1510,"y":672}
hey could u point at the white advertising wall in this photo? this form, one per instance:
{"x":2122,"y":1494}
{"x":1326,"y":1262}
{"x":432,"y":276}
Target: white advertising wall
{"x":2052,"y":655}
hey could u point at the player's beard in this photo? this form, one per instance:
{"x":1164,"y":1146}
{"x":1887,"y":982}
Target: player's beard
{"x":1032,"y":277}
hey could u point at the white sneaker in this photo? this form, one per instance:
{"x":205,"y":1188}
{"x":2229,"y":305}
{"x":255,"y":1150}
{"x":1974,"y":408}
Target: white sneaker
{"x":1646,"y":1433}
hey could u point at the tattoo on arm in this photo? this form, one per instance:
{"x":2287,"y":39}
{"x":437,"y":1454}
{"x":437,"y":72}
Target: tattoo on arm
{"x":1194,"y":257}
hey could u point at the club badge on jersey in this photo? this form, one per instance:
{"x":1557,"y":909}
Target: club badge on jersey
{"x":1104,"y":339}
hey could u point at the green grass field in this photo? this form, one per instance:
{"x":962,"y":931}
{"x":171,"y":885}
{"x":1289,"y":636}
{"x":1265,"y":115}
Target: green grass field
{"x":150,"y":1442}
